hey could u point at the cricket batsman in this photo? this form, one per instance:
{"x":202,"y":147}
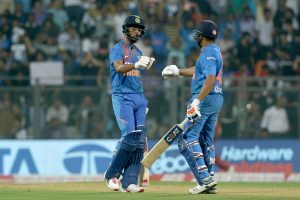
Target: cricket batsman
{"x":129,"y":105}
{"x":205,"y":104}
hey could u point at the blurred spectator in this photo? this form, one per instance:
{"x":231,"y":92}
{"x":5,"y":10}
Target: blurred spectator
{"x":159,"y":41}
{"x":186,"y":33}
{"x":265,"y":30}
{"x":19,"y":13}
{"x":296,"y":66}
{"x":31,"y":27}
{"x":26,"y":5}
{"x":253,"y":116}
{"x":275,"y":122}
{"x":70,"y":40}
{"x":3,"y":72}
{"x":9,"y":118}
{"x":86,"y":118}
{"x":49,"y":28}
{"x":71,"y":68}
{"x":90,"y":66}
{"x":56,"y":120}
{"x":118,"y":18}
{"x":176,"y":55}
{"x":144,"y":44}
{"x":280,"y":15}
{"x":229,"y":21}
{"x":4,"y":41}
{"x":247,"y":22}
{"x":7,"y":5}
{"x":244,"y":49}
{"x":19,"y":73}
{"x":226,"y":44}
{"x":60,"y":16}
{"x":39,"y":13}
{"x":74,"y":10}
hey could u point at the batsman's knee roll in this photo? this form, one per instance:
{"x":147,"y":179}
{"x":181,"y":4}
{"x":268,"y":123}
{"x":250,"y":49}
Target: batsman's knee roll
{"x":131,"y":141}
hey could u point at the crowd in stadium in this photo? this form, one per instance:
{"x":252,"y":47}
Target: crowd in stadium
{"x":257,"y":37}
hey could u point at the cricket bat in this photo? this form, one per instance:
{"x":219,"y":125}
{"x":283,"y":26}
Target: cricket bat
{"x":163,"y":143}
{"x":144,"y":177}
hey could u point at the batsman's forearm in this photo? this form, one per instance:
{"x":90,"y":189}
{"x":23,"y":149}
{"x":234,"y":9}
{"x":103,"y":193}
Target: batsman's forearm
{"x":124,"y":68}
{"x":189,"y":72}
{"x":207,"y":88}
{"x":120,"y":67}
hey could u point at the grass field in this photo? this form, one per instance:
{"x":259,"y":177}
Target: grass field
{"x":157,"y":191}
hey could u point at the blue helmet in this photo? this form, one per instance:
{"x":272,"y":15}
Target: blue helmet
{"x":207,"y":29}
{"x":133,"y":21}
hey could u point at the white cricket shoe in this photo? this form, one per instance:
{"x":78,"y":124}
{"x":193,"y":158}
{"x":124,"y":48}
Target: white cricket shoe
{"x":113,"y":184}
{"x":212,"y":190}
{"x":207,"y":183}
{"x":132,"y":188}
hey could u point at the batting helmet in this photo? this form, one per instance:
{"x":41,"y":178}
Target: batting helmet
{"x":207,"y":29}
{"x":133,"y":21}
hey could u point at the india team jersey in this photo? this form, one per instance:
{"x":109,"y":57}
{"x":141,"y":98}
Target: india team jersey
{"x":129,"y":82}
{"x":210,"y":62}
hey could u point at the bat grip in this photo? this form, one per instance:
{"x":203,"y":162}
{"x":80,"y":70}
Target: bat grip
{"x":181,"y":125}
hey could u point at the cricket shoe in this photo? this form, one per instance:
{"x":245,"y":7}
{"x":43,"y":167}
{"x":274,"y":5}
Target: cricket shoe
{"x":112,"y":184}
{"x":212,"y":190}
{"x":132,"y":188}
{"x":207,"y":183}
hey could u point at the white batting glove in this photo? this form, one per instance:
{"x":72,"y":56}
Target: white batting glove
{"x":143,"y":62}
{"x":170,"y":71}
{"x":150,"y":64}
{"x":193,"y":112}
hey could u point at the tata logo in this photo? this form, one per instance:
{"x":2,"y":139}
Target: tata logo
{"x":21,"y":159}
{"x":87,"y":159}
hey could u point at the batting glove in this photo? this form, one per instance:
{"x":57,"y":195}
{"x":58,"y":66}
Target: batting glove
{"x":143,"y":63}
{"x":170,"y":71}
{"x":193,"y":112}
{"x":151,"y":62}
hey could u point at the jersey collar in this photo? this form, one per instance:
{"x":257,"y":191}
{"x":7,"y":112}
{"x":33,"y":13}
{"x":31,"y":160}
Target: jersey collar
{"x":130,"y":46}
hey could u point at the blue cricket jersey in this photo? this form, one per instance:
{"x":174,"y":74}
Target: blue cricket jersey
{"x":129,"y":82}
{"x":210,"y":62}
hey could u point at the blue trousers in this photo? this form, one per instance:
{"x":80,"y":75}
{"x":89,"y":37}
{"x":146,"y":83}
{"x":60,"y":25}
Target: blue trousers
{"x":200,"y":134}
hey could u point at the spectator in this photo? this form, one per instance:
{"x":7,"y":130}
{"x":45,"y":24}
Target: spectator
{"x":70,"y":40}
{"x":90,"y":66}
{"x":60,"y":16}
{"x":175,"y":51}
{"x":265,"y":30}
{"x":39,"y":13}
{"x":56,"y":120}
{"x":226,"y":44}
{"x":9,"y":119}
{"x":159,"y":41}
{"x":275,"y":122}
{"x":85,"y":116}
{"x":74,"y":10}
{"x":247,"y":23}
{"x":7,"y":5}
{"x":187,"y":38}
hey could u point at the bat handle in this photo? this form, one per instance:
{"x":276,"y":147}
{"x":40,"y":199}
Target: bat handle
{"x":181,"y":125}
